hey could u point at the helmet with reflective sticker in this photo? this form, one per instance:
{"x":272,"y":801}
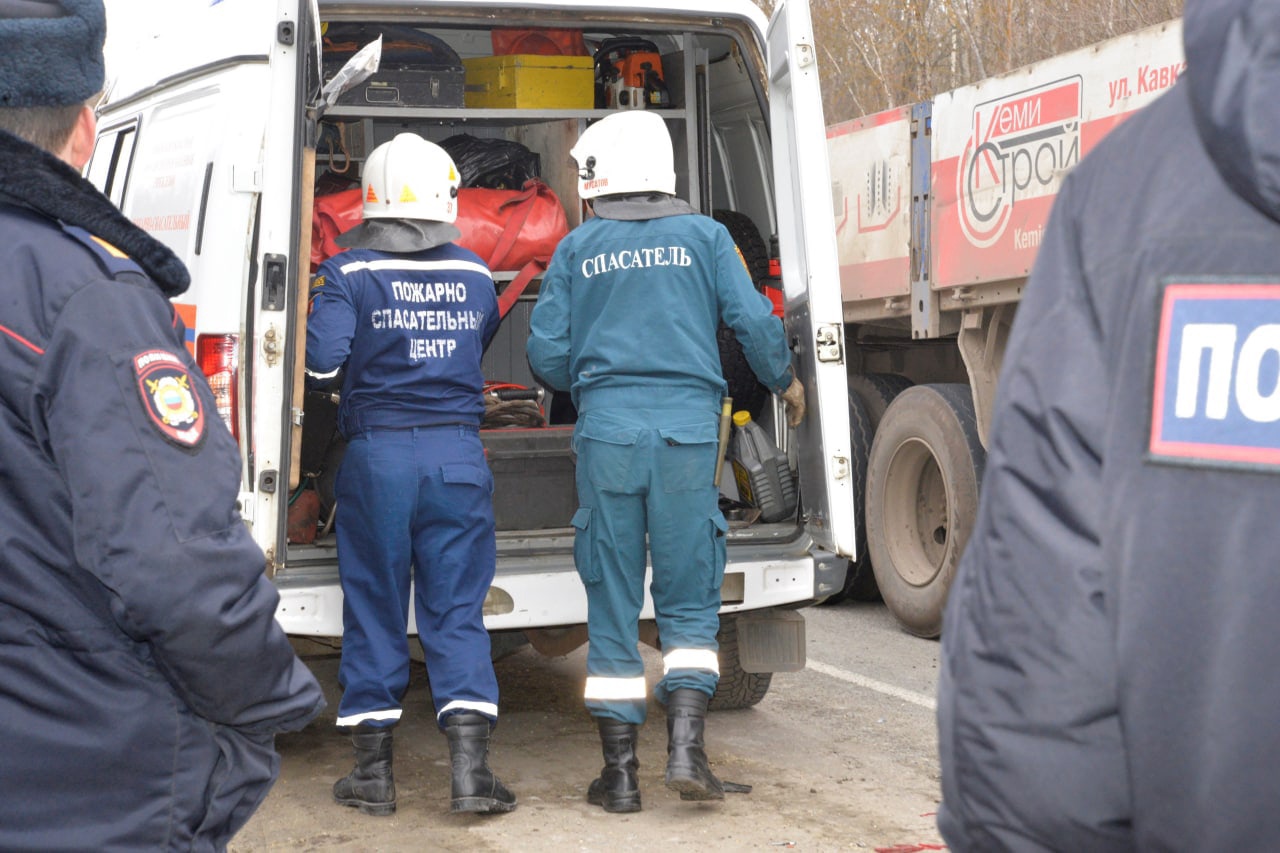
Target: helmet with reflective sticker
{"x":410,"y":178}
{"x":625,"y":152}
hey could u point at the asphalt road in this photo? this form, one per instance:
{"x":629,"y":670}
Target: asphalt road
{"x":841,"y":756}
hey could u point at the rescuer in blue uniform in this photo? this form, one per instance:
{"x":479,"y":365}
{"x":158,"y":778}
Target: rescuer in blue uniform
{"x":1108,"y":668}
{"x":626,"y":322}
{"x":409,"y":314}
{"x":142,"y":672}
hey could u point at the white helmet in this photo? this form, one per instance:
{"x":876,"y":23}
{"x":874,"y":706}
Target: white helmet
{"x":410,"y":178}
{"x":625,"y":152}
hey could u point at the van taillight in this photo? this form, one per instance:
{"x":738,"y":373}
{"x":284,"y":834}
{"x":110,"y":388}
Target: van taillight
{"x":216,"y":355}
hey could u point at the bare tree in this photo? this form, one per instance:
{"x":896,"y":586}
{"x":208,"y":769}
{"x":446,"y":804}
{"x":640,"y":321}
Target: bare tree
{"x":877,"y":54}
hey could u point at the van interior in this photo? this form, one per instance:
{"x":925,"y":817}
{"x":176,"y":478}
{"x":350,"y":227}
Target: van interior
{"x":508,"y":102}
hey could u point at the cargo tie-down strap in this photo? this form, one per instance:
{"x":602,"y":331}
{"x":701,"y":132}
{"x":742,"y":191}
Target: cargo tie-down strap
{"x":511,"y":293}
{"x":521,"y":240}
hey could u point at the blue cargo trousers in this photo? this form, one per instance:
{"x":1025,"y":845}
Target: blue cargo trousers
{"x":415,"y":505}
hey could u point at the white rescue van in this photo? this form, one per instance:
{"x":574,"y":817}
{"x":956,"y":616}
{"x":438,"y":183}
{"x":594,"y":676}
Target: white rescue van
{"x":219,"y":140}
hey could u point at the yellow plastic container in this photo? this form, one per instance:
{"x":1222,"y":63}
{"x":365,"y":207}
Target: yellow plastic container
{"x":529,"y":81}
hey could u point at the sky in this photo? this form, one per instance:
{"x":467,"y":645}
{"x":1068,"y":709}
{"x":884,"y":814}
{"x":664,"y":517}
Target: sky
{"x":128,"y":19}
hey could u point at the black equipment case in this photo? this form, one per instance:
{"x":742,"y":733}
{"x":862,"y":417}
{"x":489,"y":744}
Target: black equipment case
{"x":417,"y":69}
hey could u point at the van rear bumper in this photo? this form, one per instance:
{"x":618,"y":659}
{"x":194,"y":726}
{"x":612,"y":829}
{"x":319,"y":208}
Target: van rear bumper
{"x":539,"y":592}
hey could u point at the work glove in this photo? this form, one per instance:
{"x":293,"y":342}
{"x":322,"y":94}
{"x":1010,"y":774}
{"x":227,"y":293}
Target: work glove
{"x":794,"y":398}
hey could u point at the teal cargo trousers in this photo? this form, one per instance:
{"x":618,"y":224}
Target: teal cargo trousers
{"x":648,"y":473}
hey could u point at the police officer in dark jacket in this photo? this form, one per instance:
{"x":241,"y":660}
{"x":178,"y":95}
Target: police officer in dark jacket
{"x":408,"y":314}
{"x":1108,"y":662}
{"x":142,"y":672}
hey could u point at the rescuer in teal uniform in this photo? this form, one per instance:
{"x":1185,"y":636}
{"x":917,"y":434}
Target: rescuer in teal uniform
{"x":626,"y":322}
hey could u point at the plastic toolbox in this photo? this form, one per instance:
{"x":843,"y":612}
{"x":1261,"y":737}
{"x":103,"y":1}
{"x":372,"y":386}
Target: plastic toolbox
{"x":533,"y":477}
{"x":530,"y":81}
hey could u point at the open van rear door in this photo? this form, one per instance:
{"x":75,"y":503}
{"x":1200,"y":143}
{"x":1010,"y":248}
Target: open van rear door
{"x":197,"y":146}
{"x":810,"y":276}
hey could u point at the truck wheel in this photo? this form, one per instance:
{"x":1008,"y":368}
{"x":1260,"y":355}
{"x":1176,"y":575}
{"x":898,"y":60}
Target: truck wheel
{"x":745,"y":389}
{"x":859,"y":580}
{"x":922,"y":499}
{"x":737,"y":688}
{"x":875,"y":391}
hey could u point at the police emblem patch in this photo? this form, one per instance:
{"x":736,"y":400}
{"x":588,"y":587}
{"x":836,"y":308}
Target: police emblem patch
{"x":169,"y":397}
{"x":1216,"y":386}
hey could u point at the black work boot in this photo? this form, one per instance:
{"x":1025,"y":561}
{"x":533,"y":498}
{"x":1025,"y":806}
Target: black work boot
{"x":618,"y":787}
{"x":370,"y":786}
{"x":687,"y":770}
{"x":475,"y":788}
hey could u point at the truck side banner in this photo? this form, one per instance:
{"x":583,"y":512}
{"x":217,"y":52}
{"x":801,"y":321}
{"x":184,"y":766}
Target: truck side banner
{"x":871,"y":191}
{"x":1002,"y":147}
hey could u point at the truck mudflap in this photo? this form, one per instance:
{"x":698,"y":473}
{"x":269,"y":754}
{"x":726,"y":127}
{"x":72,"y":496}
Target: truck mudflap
{"x":539,"y":592}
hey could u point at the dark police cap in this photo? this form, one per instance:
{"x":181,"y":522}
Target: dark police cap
{"x":50,"y":51}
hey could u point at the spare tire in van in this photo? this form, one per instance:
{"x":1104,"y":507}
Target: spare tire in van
{"x":745,"y":389}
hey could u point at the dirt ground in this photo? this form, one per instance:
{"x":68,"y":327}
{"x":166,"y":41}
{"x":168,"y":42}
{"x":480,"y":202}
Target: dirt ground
{"x":833,"y":767}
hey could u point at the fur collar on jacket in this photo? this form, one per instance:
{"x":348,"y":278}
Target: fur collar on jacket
{"x":33,"y":178}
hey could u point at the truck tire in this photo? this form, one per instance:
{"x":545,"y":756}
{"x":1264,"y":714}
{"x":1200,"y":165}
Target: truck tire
{"x":745,"y":389}
{"x":877,"y":391}
{"x":922,"y":500}
{"x":737,"y":688}
{"x":874,"y":391}
{"x":859,"y":579}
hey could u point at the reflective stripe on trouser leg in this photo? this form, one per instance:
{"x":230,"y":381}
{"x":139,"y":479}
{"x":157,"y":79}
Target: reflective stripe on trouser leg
{"x":373,"y":566}
{"x":609,"y":550}
{"x":678,"y":659}
{"x":687,"y":547}
{"x":370,"y":718}
{"x":601,"y":688}
{"x":454,"y":552}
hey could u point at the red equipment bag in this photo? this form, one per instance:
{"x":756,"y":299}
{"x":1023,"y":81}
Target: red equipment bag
{"x":332,"y":215}
{"x":540,"y":41}
{"x":512,"y":230}
{"x":508,"y":229}
{"x":304,"y":518}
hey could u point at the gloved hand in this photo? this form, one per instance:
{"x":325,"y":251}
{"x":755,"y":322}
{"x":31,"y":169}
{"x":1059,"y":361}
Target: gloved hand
{"x":794,"y":398}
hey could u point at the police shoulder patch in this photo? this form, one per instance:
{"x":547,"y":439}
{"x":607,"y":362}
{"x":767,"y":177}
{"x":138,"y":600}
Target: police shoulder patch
{"x":169,"y":397}
{"x":114,"y":260}
{"x":1215,"y":394}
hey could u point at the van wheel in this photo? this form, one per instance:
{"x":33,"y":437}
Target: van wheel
{"x":737,"y":688}
{"x":745,"y":389}
{"x":859,"y":579}
{"x":922,"y":500}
